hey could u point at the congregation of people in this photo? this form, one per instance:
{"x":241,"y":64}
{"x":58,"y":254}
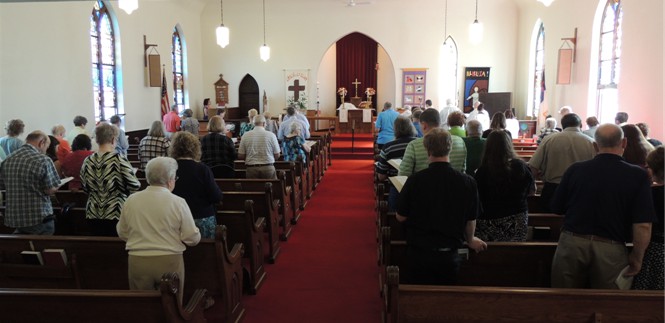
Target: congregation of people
{"x":466,"y":185}
{"x":178,"y":206}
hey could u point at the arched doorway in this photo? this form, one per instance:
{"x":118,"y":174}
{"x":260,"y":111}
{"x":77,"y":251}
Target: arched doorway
{"x":248,"y":95}
{"x":326,"y":77}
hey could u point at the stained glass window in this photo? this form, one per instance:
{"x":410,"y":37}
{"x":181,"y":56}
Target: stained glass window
{"x":609,"y":60}
{"x":178,"y":74}
{"x":102,"y":41}
{"x":538,"y":73}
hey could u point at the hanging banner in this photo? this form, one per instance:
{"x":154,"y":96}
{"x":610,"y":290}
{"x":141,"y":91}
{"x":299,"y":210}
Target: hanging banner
{"x":476,"y":81}
{"x":414,"y":81}
{"x":296,"y":87}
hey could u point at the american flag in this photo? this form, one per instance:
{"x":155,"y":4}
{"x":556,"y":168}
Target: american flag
{"x":165,"y":95}
{"x":542,"y":87}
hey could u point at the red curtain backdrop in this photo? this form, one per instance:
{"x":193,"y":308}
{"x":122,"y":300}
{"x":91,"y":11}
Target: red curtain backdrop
{"x":356,"y":58}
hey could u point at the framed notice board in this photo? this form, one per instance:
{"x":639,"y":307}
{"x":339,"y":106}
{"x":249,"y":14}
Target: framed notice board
{"x":414,"y":81}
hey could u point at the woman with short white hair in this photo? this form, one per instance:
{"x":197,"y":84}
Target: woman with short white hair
{"x":293,"y":146}
{"x":157,"y":226}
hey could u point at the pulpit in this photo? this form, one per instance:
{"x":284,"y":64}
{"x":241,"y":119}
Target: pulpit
{"x":358,"y":119}
{"x":356,"y":100}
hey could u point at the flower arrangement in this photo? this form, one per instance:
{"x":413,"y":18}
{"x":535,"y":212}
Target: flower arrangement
{"x":370,"y":91}
{"x":342,"y":91}
{"x":300,"y":104}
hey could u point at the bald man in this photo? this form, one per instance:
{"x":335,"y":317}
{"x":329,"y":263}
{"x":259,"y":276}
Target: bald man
{"x":606,"y":202}
{"x":30,"y":177}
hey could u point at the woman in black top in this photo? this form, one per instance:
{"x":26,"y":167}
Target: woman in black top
{"x":194,"y":182}
{"x":651,"y":275}
{"x":218,"y":150}
{"x":504,"y":182}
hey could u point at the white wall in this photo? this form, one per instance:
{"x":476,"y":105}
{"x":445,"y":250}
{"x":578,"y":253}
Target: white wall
{"x":641,"y":80}
{"x":411,"y":36}
{"x":45,"y":66}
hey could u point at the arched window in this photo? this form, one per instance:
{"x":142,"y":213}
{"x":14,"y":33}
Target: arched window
{"x":538,"y":72}
{"x":609,"y":61}
{"x":449,"y":59}
{"x":104,"y":78}
{"x":178,"y":70}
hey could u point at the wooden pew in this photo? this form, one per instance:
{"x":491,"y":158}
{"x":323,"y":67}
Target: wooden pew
{"x":545,"y":226}
{"x":265,"y":206}
{"x":514,"y":264}
{"x":243,"y":227}
{"x":326,"y":147}
{"x":101,"y":263}
{"x":279,"y":189}
{"x":72,"y":305}
{"x":293,"y":179}
{"x":420,"y":303}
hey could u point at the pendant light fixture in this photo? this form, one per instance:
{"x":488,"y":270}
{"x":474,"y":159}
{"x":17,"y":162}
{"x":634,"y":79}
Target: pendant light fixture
{"x":128,"y":5}
{"x":547,"y":3}
{"x":264,"y":51}
{"x":476,"y":29}
{"x":222,"y":31}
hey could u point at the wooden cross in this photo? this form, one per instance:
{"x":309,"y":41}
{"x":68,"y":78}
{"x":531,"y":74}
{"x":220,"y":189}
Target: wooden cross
{"x":296,"y":88}
{"x":356,"y":83}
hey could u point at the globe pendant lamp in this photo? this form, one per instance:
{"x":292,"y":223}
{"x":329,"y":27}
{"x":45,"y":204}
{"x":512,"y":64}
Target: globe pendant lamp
{"x":222,"y":31}
{"x":264,"y":51}
{"x":476,"y":29}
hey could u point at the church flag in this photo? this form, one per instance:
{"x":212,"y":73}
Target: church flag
{"x":543,"y":107}
{"x":165,"y":95}
{"x":296,"y":86}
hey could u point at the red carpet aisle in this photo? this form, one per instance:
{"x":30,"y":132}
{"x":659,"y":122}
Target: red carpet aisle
{"x":327,"y":270}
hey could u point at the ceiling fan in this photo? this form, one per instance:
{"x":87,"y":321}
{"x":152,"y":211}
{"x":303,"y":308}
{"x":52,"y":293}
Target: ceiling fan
{"x":353,"y":3}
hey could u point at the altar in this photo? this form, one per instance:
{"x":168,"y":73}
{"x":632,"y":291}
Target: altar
{"x":351,"y":117}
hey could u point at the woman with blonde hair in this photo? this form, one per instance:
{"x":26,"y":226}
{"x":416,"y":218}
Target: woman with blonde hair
{"x":218,"y":150}
{"x":271,"y":125}
{"x":195,"y":183}
{"x":249,"y":125}
{"x":155,"y":144}
{"x":64,"y":148}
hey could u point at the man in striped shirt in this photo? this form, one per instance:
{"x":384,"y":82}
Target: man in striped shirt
{"x":259,"y":148}
{"x":415,"y":157}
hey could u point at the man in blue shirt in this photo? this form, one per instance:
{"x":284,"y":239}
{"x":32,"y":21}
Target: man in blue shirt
{"x":384,"y":124}
{"x":286,"y":125}
{"x":607,"y":202}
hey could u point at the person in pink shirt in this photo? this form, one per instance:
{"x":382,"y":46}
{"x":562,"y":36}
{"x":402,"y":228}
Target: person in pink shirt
{"x":172,"y":121}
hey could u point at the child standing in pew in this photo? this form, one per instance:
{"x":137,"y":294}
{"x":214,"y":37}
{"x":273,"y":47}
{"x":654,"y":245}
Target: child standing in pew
{"x":294,"y":147}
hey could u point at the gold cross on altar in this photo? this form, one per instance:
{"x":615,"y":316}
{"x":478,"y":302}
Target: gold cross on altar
{"x":356,"y":83}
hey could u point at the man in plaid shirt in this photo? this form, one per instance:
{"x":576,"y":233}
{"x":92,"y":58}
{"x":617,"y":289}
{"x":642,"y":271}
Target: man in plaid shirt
{"x":29,"y":177}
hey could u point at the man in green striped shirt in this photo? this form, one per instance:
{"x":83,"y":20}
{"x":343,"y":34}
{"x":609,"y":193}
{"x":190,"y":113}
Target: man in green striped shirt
{"x":415,"y":157}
